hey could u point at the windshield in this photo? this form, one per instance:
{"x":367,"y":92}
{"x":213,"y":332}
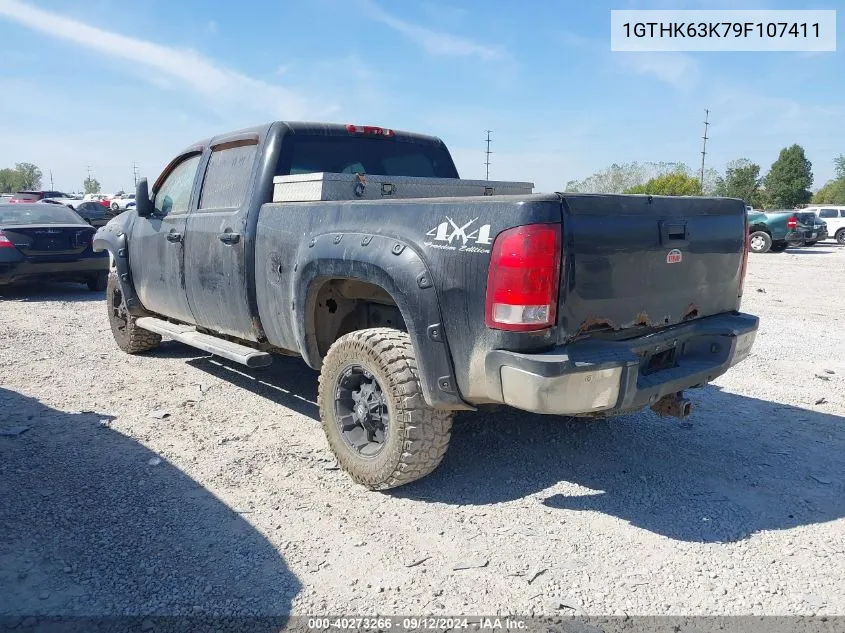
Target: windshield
{"x":353,"y":155}
{"x":11,"y":215}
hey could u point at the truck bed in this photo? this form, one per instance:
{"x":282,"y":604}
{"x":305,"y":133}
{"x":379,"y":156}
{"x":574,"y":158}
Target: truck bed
{"x":617,"y":279}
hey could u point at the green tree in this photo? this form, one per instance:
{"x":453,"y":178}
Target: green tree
{"x":839,"y":167}
{"x":717,"y":187}
{"x":742,"y":180}
{"x":832,"y":193}
{"x":91,"y":185}
{"x":676,"y":184}
{"x":29,"y":174}
{"x":790,"y":178}
{"x":620,"y":177}
{"x":10,"y":181}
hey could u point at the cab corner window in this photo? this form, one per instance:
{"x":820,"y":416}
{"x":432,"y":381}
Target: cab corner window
{"x":174,"y":195}
{"x":227,"y":177}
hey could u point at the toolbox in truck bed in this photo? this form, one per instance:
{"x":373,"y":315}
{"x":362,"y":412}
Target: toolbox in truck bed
{"x":315,"y":187}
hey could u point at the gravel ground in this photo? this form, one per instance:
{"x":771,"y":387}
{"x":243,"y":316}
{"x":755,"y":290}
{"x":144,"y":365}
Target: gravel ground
{"x":226,"y":501}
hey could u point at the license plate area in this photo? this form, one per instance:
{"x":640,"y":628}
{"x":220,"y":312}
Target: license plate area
{"x":653,"y":361}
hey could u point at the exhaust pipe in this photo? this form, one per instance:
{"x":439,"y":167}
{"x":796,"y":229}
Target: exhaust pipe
{"x":674,"y":405}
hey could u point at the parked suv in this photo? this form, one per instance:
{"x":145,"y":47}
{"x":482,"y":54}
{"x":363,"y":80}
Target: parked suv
{"x":834,"y":217}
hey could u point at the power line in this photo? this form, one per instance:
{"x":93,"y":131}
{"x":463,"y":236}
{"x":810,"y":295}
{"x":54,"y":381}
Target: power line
{"x":704,"y":145}
{"x":488,"y":152}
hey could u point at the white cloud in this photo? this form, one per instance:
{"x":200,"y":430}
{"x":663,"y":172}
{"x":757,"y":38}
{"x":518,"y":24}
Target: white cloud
{"x":676,"y":69}
{"x":220,"y":86}
{"x":435,"y":42}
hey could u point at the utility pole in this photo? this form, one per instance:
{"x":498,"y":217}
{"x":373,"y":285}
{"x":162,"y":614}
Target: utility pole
{"x":51,"y":179}
{"x":488,"y":152}
{"x":135,"y":173}
{"x":704,"y":147}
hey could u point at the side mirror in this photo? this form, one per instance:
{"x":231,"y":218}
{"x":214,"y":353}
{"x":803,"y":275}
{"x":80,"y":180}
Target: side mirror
{"x":143,"y":203}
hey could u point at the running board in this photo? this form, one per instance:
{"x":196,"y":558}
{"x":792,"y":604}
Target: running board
{"x":188,"y":335}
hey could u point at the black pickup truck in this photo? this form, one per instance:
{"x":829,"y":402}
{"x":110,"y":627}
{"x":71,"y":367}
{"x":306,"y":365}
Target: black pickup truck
{"x":412,"y":309}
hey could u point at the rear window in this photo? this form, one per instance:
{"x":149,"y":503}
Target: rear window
{"x":376,"y":156}
{"x":11,"y":215}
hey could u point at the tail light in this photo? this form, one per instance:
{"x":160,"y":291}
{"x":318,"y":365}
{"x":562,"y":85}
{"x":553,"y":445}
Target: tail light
{"x":746,"y":248}
{"x":791,"y":223}
{"x":523,"y":278}
{"x":5,"y":242}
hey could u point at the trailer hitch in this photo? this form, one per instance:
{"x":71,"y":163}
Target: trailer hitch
{"x":674,"y":405}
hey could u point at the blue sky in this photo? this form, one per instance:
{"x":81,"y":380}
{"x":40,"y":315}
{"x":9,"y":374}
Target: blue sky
{"x":103,"y":83}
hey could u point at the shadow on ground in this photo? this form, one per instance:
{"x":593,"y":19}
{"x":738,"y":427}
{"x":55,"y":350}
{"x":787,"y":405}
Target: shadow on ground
{"x":827,"y":249}
{"x":288,"y":382}
{"x":739,"y":465}
{"x":49,"y":291}
{"x":94,"y":525}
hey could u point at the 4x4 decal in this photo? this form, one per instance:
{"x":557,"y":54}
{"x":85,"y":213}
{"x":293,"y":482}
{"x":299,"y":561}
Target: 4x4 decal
{"x":450,"y":236}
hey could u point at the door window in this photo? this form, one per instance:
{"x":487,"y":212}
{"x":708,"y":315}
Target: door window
{"x":227,"y":177}
{"x":174,"y":195}
{"x":828,"y":213}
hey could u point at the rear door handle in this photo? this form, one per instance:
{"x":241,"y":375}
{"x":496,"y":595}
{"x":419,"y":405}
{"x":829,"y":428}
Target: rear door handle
{"x":174,"y":236}
{"x":230,"y":238}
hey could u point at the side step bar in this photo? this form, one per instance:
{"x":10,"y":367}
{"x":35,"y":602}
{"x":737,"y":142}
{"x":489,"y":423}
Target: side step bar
{"x":188,"y":335}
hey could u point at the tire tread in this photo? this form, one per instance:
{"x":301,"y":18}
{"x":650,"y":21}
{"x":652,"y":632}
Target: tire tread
{"x":426,"y":430}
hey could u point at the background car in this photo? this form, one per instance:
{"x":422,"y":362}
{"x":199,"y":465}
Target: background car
{"x":48,"y":242}
{"x":815,"y":229}
{"x":119,"y":203}
{"x":834,"y":217}
{"x":34,"y":196}
{"x":776,"y":230}
{"x":65,"y":199}
{"x":94,"y":213}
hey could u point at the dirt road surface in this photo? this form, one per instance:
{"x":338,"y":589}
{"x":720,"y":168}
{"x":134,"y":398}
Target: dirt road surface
{"x":173,"y":483}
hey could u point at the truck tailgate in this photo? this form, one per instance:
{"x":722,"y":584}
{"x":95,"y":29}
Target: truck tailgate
{"x":637,"y":262}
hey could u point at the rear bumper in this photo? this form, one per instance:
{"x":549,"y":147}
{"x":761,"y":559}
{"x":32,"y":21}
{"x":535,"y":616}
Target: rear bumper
{"x":610,"y":377}
{"x":16,"y":272}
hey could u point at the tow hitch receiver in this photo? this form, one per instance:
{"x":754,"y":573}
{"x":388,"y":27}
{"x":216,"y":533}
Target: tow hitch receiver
{"x":674,"y":405}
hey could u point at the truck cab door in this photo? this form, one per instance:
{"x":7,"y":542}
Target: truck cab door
{"x":215,"y":262}
{"x":156,"y":247}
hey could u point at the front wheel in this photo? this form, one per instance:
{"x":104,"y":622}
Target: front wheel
{"x":128,"y":336}
{"x":375,"y":417}
{"x":760,"y":242}
{"x":840,"y":236}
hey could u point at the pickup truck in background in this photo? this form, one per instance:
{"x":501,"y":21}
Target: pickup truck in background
{"x":414,"y":308}
{"x":775,"y":231}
